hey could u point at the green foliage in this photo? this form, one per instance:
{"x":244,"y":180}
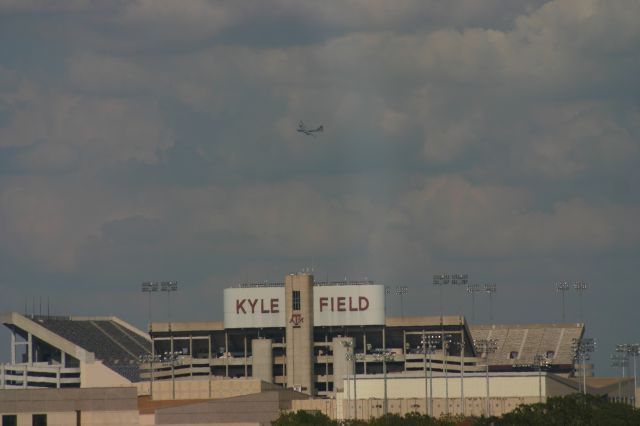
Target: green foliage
{"x":304,"y":418}
{"x":576,"y":409}
{"x":572,"y":410}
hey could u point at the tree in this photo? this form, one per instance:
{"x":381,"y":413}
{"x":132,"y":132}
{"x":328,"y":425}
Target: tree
{"x":304,"y":418}
{"x":576,"y":409}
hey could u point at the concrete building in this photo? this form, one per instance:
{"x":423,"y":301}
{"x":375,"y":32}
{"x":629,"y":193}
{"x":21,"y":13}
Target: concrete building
{"x":300,"y":344}
{"x":298,"y":333}
{"x":64,"y":407}
{"x":468,"y":394}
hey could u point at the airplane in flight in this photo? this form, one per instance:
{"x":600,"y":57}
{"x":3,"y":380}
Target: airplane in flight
{"x":302,"y":128}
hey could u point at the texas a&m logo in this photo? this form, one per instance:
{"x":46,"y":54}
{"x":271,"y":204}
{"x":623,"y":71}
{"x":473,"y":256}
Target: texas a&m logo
{"x":296,"y":320}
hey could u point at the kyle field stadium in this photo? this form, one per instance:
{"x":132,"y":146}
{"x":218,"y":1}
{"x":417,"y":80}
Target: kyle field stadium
{"x":293,"y":345}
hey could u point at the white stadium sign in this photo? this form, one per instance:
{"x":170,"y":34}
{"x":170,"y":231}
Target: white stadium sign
{"x":254,"y":307}
{"x":261,"y":307}
{"x":348,"y":305}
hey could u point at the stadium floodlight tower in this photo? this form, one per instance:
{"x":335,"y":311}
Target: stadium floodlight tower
{"x":352,"y":357}
{"x":401,"y":291}
{"x":150,"y":287}
{"x":562,"y":287}
{"x":169,"y":287}
{"x":580,"y":287}
{"x":428,"y":342}
{"x":490,"y":289}
{"x":384,"y":355}
{"x":620,"y":360}
{"x":539,"y":361}
{"x":632,"y":350}
{"x":582,"y":349}
{"x":440,"y":281}
{"x":398,"y":291}
{"x":448,"y":344}
{"x":472,"y":289}
{"x":486,"y":346}
{"x":172,"y":359}
{"x":149,"y":359}
{"x":444,"y":279}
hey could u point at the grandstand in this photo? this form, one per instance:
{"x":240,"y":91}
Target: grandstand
{"x":48,"y":351}
{"x":518,"y":344}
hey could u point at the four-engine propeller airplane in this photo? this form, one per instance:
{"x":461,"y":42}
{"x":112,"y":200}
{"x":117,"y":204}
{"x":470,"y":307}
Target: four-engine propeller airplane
{"x":302,"y":128}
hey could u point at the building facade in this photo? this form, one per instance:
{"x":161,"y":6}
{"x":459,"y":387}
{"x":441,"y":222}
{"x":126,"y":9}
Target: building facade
{"x":308,"y":336}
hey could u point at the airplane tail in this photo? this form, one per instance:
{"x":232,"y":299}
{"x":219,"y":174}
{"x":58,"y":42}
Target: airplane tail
{"x":320,"y":129}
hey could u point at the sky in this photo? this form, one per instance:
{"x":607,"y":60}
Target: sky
{"x":156,"y":140}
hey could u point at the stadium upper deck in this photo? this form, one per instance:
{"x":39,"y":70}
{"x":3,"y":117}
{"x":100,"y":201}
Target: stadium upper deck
{"x":295,"y":334}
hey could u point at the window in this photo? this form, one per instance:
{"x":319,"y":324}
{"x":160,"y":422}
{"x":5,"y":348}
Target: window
{"x":9,"y":420}
{"x":513,"y":354}
{"x":296,"y":300}
{"x":39,"y":420}
{"x":550,"y":354}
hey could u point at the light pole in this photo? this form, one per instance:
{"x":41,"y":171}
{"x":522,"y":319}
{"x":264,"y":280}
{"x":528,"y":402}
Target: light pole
{"x":169,"y":287}
{"x":428,"y":348}
{"x":459,"y":280}
{"x":150,"y":287}
{"x":449,"y":343}
{"x":440,"y":281}
{"x":539,"y":361}
{"x":472,"y":289}
{"x":620,"y":360}
{"x":446,"y":342}
{"x":486,"y":346}
{"x":490,"y":289}
{"x":172,"y":359}
{"x":352,"y":357}
{"x":633,"y":350}
{"x":444,"y":279}
{"x":384,"y":355}
{"x":582,"y":349}
{"x":398,"y":291}
{"x":401,"y":291}
{"x":580,"y":287}
{"x":149,"y":359}
{"x":562,"y":287}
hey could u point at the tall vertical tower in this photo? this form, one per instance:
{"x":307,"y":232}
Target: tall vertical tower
{"x":299,"y":316}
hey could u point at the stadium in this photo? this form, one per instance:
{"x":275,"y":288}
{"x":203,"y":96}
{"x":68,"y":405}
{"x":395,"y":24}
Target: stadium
{"x":297,"y":344}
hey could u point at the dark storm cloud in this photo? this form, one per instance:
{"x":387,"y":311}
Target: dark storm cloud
{"x":150,"y":139}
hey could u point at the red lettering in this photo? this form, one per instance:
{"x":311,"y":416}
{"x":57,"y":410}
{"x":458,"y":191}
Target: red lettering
{"x":332,"y":305}
{"x":253,"y":305}
{"x":341,"y":304}
{"x":262,"y":310}
{"x":363,"y":303}
{"x":240,"y":305}
{"x":274,"y":306}
{"x":351,"y":307}
{"x":324,"y":301}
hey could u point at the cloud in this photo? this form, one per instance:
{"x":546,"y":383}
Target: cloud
{"x":60,"y":131}
{"x":574,"y":139}
{"x":480,"y":220}
{"x":162,"y":20}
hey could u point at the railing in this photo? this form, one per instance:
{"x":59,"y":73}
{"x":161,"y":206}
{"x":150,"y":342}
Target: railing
{"x":346,"y":282}
{"x":38,"y":376}
{"x":260,"y":285}
{"x":316,"y":283}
